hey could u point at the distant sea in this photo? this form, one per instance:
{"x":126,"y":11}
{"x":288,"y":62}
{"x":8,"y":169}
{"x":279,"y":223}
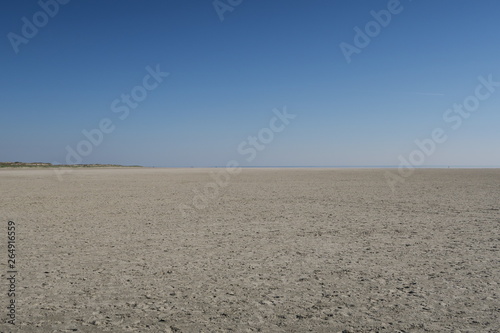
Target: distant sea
{"x":338,"y":166}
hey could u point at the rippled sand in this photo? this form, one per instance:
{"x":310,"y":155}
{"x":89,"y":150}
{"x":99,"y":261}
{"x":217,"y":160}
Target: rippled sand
{"x":276,"y":250}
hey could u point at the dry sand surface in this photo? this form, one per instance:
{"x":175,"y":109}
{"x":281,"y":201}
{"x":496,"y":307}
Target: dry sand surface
{"x":277,"y":250}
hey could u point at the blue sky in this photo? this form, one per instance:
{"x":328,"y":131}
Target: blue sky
{"x":226,"y":77}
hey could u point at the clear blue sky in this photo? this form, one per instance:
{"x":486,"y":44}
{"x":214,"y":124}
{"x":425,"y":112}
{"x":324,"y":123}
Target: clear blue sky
{"x":227,"y":76}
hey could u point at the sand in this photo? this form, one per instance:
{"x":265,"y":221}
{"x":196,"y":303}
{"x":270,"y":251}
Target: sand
{"x":276,"y":250}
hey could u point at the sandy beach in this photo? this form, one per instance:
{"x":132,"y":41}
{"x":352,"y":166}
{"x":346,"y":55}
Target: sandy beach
{"x":276,"y":250}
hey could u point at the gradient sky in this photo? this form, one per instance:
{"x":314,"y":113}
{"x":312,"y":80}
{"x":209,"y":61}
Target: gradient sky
{"x":227,"y":76}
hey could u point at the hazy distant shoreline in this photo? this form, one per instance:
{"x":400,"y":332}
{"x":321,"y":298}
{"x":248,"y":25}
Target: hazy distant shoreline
{"x":97,"y":165}
{"x":50,"y":165}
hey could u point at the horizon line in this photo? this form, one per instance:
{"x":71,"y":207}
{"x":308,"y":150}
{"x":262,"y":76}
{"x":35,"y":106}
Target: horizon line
{"x":440,"y":166}
{"x":335,"y":166}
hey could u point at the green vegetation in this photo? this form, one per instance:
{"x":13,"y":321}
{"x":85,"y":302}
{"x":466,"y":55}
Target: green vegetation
{"x":50,"y":165}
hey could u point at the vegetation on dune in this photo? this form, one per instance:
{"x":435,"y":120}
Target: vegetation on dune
{"x":50,"y":165}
